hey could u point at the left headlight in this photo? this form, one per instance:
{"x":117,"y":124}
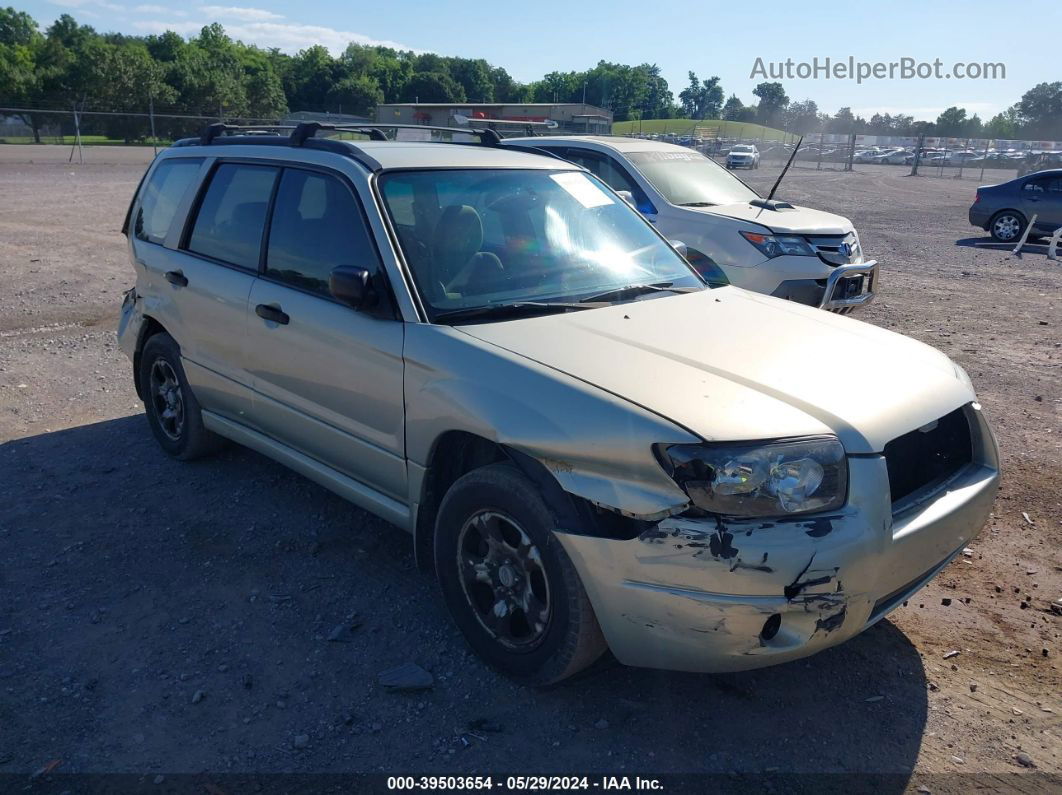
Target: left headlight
{"x":772,"y":479}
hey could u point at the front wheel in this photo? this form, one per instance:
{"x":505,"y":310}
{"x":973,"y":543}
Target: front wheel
{"x":507,"y":581}
{"x":1007,"y":226}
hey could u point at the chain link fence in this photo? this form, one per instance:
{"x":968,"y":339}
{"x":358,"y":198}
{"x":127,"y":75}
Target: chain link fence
{"x":87,"y":128}
{"x":969,"y":158}
{"x":958,"y":158}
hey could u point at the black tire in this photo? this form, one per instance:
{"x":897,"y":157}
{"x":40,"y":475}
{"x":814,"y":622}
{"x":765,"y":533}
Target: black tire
{"x":172,"y":410}
{"x":569,"y":639}
{"x":1007,"y":226}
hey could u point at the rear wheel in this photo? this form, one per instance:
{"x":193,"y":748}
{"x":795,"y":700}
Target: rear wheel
{"x":172,"y":410}
{"x":1007,"y":226}
{"x":507,"y":581}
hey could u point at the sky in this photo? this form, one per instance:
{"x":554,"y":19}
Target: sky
{"x":709,"y":38}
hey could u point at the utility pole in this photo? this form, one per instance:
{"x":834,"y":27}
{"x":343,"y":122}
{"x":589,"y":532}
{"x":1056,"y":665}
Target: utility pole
{"x":77,"y":135}
{"x":151,"y":112}
{"x":918,"y":156}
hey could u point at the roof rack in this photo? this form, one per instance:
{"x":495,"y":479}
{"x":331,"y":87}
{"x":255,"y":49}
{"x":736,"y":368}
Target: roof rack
{"x":528,"y":125}
{"x":375,"y":132}
{"x":303,"y":134}
{"x":212,"y":131}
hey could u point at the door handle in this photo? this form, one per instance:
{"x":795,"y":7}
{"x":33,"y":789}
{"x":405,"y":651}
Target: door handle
{"x":274,"y":313}
{"x":176,"y":278}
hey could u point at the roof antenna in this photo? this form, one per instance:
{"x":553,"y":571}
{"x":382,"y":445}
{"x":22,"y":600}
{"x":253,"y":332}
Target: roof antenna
{"x":764,"y":203}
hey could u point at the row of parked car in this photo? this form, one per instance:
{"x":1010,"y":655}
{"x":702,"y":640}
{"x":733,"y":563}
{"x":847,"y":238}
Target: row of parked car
{"x":1023,"y":161}
{"x":596,"y":440}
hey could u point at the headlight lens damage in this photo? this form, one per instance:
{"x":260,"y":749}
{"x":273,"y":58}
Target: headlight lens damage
{"x":773,"y":479}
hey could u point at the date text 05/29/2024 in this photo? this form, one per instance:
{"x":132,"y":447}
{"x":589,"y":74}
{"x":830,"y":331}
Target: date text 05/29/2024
{"x":523,"y":783}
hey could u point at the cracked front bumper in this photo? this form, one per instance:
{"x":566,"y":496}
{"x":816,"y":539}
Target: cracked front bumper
{"x":701,"y":594}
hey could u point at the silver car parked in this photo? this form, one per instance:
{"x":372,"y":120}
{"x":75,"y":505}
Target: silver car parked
{"x":591,"y":447}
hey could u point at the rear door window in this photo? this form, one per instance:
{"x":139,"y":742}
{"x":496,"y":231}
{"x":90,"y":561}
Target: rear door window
{"x":611,"y":173}
{"x":232,"y":214}
{"x":603,"y":167}
{"x":317,"y":225}
{"x":162,"y":195}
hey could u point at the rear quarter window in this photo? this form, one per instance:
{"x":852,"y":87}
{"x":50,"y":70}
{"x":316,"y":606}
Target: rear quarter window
{"x":161,"y":197}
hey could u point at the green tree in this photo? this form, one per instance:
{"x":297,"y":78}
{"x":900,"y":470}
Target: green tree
{"x":843,"y":122}
{"x":1040,"y":110}
{"x":432,"y":87}
{"x":702,"y":99}
{"x":1005,"y":125}
{"x":773,"y":101}
{"x":658,"y":101}
{"x":359,"y":95}
{"x":17,"y":27}
{"x":474,"y":78}
{"x":952,"y":122}
{"x":802,"y":117}
{"x":506,"y":89}
{"x":311,"y":80}
{"x":262,"y":85}
{"x":131,"y":81}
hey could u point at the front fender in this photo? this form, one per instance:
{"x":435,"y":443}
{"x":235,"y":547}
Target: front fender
{"x":598,"y":446}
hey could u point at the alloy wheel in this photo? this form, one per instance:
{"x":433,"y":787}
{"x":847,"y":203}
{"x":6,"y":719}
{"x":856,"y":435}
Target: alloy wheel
{"x":167,"y":399}
{"x":504,"y":580}
{"x":1006,"y":227}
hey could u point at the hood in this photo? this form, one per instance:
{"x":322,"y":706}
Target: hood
{"x":730,"y":365}
{"x":798,"y":220}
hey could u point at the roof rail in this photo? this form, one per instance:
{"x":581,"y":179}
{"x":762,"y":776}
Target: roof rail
{"x":212,"y":131}
{"x":308,"y":129}
{"x":305,"y":130}
{"x":528,"y":125}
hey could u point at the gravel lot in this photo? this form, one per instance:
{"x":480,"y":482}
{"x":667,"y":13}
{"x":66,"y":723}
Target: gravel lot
{"x":161,"y":617}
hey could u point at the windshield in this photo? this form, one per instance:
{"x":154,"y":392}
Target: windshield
{"x":492,"y":238}
{"x":691,"y":178}
{"x":741,"y":149}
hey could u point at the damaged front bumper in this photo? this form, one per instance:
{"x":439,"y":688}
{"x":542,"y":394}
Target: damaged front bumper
{"x":707,"y":594}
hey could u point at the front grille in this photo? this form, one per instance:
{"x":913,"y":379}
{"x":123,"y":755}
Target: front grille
{"x":831,"y":248}
{"x":926,"y":457}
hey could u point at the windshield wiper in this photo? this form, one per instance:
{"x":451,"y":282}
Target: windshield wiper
{"x":697,"y":204}
{"x":517,"y":309}
{"x":632,"y":290}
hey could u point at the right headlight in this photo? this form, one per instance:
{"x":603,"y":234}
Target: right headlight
{"x":761,"y":479}
{"x":776,"y":245}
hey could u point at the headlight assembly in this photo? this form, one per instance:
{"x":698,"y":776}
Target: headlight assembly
{"x":776,"y":245}
{"x":765,"y":479}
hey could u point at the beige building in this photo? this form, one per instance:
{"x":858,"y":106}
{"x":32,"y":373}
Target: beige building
{"x":571,"y":117}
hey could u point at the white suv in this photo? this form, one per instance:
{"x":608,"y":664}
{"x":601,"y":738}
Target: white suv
{"x":591,"y":447}
{"x":776,"y":248}
{"x":743,"y":156}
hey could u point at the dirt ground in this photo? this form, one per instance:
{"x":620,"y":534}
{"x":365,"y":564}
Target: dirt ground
{"x":161,"y":617}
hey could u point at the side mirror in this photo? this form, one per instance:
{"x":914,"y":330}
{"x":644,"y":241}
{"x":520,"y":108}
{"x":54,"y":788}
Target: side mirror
{"x":627,"y":196}
{"x":351,"y":285}
{"x":679,"y":246}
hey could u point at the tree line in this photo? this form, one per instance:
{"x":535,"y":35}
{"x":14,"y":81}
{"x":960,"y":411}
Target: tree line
{"x":70,"y":65}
